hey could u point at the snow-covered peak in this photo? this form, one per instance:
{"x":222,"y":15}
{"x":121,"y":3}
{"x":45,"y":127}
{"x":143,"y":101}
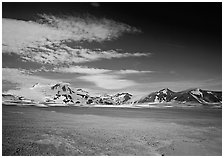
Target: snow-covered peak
{"x":164,"y":91}
{"x":197,"y":91}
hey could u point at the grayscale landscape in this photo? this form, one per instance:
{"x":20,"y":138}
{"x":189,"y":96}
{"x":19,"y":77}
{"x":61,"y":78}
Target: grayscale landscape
{"x":112,"y":79}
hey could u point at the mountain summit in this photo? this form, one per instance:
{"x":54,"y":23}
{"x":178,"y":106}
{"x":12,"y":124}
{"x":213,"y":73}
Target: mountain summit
{"x":163,"y":95}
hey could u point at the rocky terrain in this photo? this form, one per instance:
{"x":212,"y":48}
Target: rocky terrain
{"x":75,"y":131}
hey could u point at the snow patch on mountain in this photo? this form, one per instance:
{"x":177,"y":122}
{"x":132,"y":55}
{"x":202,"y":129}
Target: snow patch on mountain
{"x":196,"y":98}
{"x":164,"y":91}
{"x":197,"y":92}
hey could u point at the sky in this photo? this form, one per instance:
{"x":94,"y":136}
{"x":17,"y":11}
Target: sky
{"x":113,"y":47}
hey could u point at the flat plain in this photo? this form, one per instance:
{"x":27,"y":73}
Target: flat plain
{"x":111,"y":131}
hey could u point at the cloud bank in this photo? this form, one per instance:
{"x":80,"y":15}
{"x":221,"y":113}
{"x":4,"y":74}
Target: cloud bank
{"x":81,"y":70}
{"x":46,"y":40}
{"x":90,"y":71}
{"x":23,"y":78}
{"x":109,"y":82}
{"x":132,"y":72}
{"x":103,"y":78}
{"x":88,"y":28}
{"x":61,"y":54}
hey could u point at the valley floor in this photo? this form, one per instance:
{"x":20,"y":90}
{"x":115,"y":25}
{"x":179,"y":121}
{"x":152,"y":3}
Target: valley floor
{"x":111,"y":131}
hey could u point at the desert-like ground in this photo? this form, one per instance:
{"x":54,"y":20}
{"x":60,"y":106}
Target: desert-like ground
{"x":111,"y":131}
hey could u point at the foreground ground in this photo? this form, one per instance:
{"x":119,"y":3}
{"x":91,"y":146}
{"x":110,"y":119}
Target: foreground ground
{"x":110,"y":131}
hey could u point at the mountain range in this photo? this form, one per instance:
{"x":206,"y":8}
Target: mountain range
{"x":62,"y":94}
{"x":195,"y":95}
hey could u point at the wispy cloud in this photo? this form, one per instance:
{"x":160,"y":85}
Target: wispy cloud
{"x":102,"y":78}
{"x":45,"y":41}
{"x":109,"y":82}
{"x":89,"y":28}
{"x":23,"y":78}
{"x":62,"y":54}
{"x":132,"y":72}
{"x":81,"y":70}
{"x":89,"y":70}
{"x":18,"y":35}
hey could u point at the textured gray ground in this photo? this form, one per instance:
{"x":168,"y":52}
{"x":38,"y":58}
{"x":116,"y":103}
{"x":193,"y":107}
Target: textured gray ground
{"x":110,"y":131}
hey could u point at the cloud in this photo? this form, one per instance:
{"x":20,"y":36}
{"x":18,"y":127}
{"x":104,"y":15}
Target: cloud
{"x":109,"y":82}
{"x":24,"y":82}
{"x":67,"y":55}
{"x":132,"y":72}
{"x":46,"y":41}
{"x":89,"y":28}
{"x":64,"y":55}
{"x":89,"y":70}
{"x":106,"y":79}
{"x":23,"y":78}
{"x":19,"y":34}
{"x":81,"y":70}
{"x":102,"y":78}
